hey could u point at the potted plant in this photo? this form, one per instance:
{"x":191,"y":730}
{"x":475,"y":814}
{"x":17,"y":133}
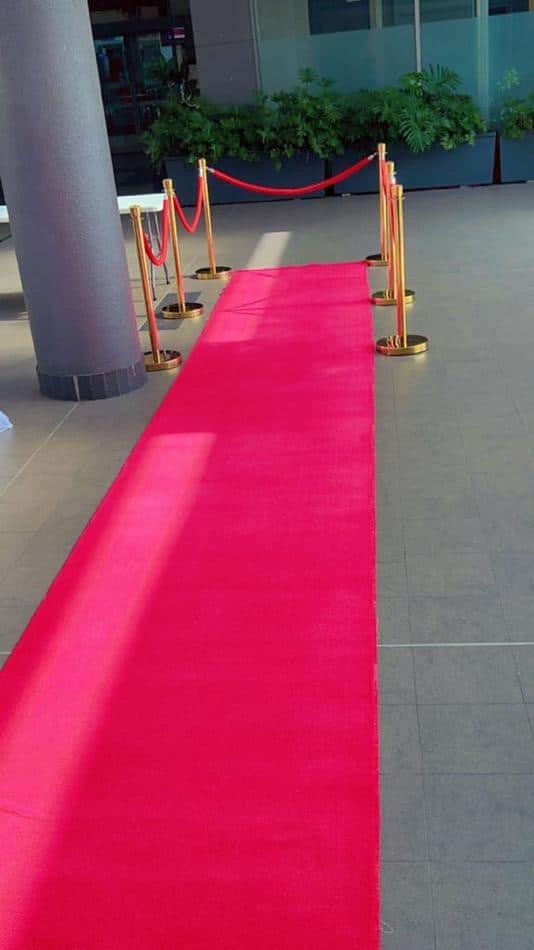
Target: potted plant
{"x":280,"y":140}
{"x":185,"y":130}
{"x":434,"y":133}
{"x":301,"y":131}
{"x":516,"y":128}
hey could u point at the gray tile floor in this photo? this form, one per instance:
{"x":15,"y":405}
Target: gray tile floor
{"x":455,"y":433}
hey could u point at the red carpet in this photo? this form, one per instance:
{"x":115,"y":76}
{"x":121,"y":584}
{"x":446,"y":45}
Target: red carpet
{"x":188,"y":738}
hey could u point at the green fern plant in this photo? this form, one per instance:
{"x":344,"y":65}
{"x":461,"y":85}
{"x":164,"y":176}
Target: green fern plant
{"x":516,"y":117}
{"x":417,"y":123}
{"x":305,"y":119}
{"x":199,"y":128}
{"x":433,"y":82}
{"x":425,"y":109}
{"x":435,"y":112}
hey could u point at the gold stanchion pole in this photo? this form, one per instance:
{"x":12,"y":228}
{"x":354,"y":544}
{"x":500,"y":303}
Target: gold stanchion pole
{"x":387,"y":297}
{"x":398,"y":197}
{"x":402,"y":343}
{"x":214,"y":271}
{"x":180,"y":309}
{"x":381,"y":260}
{"x":156,"y":359}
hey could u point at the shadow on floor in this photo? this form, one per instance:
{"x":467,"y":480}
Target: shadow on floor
{"x":13,"y":306}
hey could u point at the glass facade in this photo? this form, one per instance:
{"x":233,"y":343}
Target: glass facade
{"x":142,"y":49}
{"x":359,"y":43}
{"x":371,"y":43}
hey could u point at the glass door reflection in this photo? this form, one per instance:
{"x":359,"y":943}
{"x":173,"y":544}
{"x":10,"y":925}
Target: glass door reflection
{"x":117,"y":91}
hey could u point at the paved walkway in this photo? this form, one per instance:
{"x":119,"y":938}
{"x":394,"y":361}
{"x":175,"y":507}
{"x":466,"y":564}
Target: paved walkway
{"x":456,"y":535}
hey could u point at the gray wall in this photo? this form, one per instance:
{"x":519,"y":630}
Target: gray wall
{"x":224,"y":41}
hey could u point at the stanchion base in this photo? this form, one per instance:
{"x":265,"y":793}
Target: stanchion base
{"x":173,"y":311}
{"x":385,"y":298}
{"x":388,"y":346}
{"x":220,"y":273}
{"x":169,"y":359}
{"x":376,"y":260}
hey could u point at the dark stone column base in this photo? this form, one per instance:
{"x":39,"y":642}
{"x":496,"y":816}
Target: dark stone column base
{"x":94,"y":385}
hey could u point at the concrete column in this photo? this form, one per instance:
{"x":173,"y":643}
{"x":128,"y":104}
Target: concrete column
{"x":225,"y":50}
{"x":58,"y":181}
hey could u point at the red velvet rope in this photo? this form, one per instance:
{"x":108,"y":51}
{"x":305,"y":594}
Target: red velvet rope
{"x":293,"y":192}
{"x":191,"y":227}
{"x":158,"y":261}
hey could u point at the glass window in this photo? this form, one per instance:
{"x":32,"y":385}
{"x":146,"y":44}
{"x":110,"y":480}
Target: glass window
{"x":179,"y":7}
{"x":341,"y":39}
{"x":452,"y":35}
{"x":508,"y":6}
{"x":432,"y":10}
{"x":161,"y":63}
{"x":511,"y":41}
{"x":113,"y":11}
{"x":140,"y":60}
{"x":332,"y":16}
{"x":117,"y":91}
{"x":397,"y":12}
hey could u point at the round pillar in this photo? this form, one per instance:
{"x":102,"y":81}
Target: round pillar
{"x":57,"y":176}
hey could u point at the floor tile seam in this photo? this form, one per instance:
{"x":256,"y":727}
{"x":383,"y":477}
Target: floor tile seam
{"x":8,"y":568}
{"x":525,"y":703}
{"x":419,"y":861}
{"x":511,"y":704}
{"x":426,"y":814}
{"x":477,"y":502}
{"x":403,"y":537}
{"x":493,"y":550}
{"x":433,"y":772}
{"x":379,"y":533}
{"x":38,"y":563}
{"x":466,"y":455}
{"x":458,"y":863}
{"x":385,"y":703}
{"x":38,"y":449}
{"x":455,"y":703}
{"x":456,"y":644}
{"x":519,"y":412}
{"x":426,"y":822}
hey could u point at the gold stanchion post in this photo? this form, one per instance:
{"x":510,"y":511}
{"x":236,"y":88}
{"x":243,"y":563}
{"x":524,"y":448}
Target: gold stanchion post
{"x":180,"y":309}
{"x":214,"y":271}
{"x":156,"y":359}
{"x":402,"y":343}
{"x":381,"y":260}
{"x":387,"y":297}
